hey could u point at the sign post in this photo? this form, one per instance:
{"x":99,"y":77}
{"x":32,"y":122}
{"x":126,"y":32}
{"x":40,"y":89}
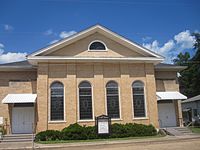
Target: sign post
{"x":103,"y":124}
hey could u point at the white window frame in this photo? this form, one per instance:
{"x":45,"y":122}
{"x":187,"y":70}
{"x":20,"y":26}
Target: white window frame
{"x":78,"y":109}
{"x":145,"y":102}
{"x":119,"y":96}
{"x":106,"y":49}
{"x":49,"y":107}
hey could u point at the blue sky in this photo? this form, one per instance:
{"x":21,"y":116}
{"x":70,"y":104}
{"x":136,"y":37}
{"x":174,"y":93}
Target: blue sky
{"x":163,"y":26}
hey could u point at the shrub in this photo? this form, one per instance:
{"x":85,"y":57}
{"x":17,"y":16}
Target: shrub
{"x":2,"y":130}
{"x":74,"y":132}
{"x":48,"y":135}
{"x":77,"y":132}
{"x":118,"y":130}
{"x":91,"y":132}
{"x":131,"y":130}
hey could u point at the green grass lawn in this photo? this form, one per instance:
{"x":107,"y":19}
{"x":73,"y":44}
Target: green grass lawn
{"x":195,"y":129}
{"x":96,"y":140}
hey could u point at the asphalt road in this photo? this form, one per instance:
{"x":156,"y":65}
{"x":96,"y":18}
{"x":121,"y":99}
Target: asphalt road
{"x":193,"y":144}
{"x":164,"y":143}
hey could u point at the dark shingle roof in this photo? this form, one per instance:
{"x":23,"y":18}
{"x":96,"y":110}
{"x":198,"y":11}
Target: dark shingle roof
{"x":19,"y":63}
{"x":193,"y":99}
{"x":163,"y":66}
{"x":17,"y":66}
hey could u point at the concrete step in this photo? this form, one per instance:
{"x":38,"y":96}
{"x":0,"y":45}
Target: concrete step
{"x":20,"y":137}
{"x":17,"y":138}
{"x":179,"y":131}
{"x":17,"y":135}
{"x":182,"y":129}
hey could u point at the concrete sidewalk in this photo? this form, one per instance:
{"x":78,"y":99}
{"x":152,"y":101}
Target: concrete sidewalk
{"x":166,"y":139}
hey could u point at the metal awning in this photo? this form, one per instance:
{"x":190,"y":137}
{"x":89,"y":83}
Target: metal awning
{"x":170,"y":96}
{"x":19,"y":98}
{"x":186,"y":110}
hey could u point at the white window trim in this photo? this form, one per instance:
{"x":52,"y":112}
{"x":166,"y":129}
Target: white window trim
{"x":49,"y":107}
{"x":141,"y":118}
{"x":52,"y":122}
{"x":87,"y":120}
{"x":119,"y":95}
{"x":145,"y":102}
{"x":97,"y":50}
{"x":78,"y":113}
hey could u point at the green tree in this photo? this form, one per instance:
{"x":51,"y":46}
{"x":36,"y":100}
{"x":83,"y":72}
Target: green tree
{"x":182,"y":59}
{"x":190,"y":78}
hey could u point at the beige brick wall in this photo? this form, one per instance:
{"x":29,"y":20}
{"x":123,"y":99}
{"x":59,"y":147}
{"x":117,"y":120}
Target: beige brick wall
{"x":10,"y":83}
{"x":167,"y":81}
{"x":98,"y":74}
{"x":42,"y":97}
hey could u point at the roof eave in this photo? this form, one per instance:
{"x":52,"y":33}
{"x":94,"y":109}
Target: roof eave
{"x":17,"y":68}
{"x":171,"y":68}
{"x":34,"y":60}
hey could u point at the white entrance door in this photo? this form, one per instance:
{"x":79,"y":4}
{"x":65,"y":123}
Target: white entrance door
{"x":166,"y":115}
{"x":22,"y":119}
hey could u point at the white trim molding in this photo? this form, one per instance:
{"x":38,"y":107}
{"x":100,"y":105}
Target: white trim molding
{"x":34,"y":60}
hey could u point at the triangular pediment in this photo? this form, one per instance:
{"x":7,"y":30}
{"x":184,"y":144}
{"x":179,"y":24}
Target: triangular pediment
{"x":80,"y":48}
{"x":75,"y":49}
{"x":77,"y":45}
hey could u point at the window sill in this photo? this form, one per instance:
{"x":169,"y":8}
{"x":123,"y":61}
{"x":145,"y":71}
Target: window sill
{"x":116,"y":119}
{"x":97,"y":50}
{"x":141,"y":118}
{"x":91,"y":120}
{"x":52,"y":122}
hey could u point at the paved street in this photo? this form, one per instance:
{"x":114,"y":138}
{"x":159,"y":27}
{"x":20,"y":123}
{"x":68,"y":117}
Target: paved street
{"x":163,"y":143}
{"x":180,"y":145}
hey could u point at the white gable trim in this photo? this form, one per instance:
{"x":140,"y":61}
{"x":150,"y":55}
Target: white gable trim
{"x":35,"y":59}
{"x":91,"y":30}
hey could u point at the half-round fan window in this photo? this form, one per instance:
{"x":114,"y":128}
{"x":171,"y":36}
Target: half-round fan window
{"x":97,"y":45}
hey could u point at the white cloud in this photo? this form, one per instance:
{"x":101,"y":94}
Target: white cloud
{"x":185,"y":39}
{"x":10,"y":57}
{"x":161,"y":50}
{"x":1,"y":45}
{"x":61,"y":35}
{"x":1,"y":48}
{"x":152,"y":46}
{"x":8,"y":27}
{"x":49,"y":32}
{"x":65,"y":34}
{"x":146,"y":38}
{"x":54,"y":41}
{"x":167,"y":47}
{"x":181,"y":42}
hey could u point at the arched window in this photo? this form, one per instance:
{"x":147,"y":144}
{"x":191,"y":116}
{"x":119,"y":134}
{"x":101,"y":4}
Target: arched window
{"x":97,"y":45}
{"x":85,"y":101}
{"x":138,"y":99}
{"x":57,"y":101}
{"x":112,"y":93}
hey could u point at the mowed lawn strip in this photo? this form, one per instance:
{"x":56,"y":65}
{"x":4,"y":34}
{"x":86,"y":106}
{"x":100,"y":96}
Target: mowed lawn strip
{"x":96,"y":140}
{"x":195,"y":129}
